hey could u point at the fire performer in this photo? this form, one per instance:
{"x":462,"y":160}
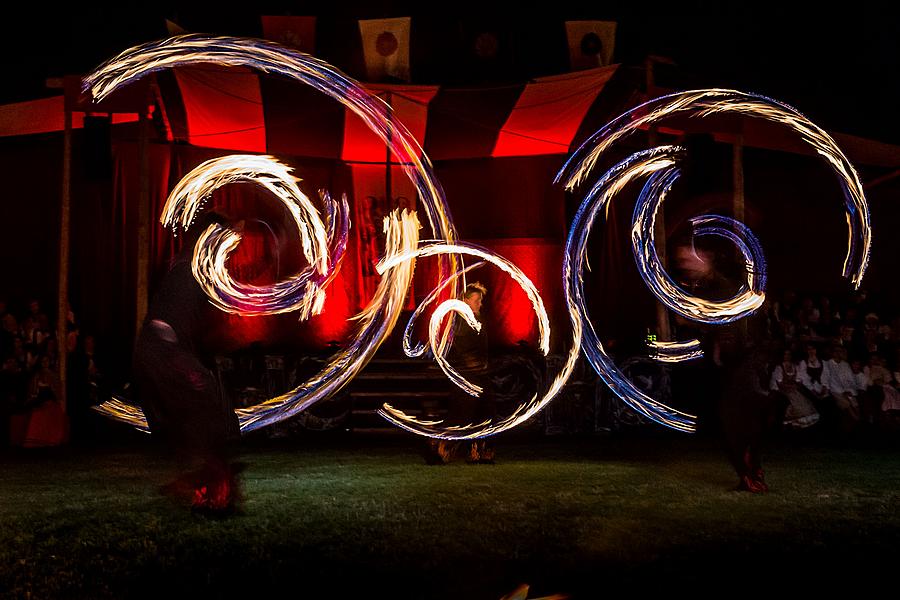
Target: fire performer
{"x":185,"y":408}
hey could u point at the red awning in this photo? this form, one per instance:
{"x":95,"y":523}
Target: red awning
{"x":234,"y":109}
{"x":239,"y":110}
{"x":410,"y":105}
{"x":223,"y":107}
{"x":44,"y":116}
{"x":548,"y":113}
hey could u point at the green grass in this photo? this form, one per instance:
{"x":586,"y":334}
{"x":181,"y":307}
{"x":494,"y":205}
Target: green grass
{"x":330,"y":518}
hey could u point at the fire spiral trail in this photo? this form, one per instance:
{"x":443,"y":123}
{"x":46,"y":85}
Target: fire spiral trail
{"x":322,"y":242}
{"x":659,"y":166}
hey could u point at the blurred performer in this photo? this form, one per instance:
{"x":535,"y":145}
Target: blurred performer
{"x":746,"y":411}
{"x":179,"y":394}
{"x":697,"y":384}
{"x":469,"y":355}
{"x":733,"y":378}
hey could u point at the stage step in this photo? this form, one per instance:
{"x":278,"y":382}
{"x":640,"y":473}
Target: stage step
{"x":369,"y":376}
{"x":414,"y":385}
{"x":395,"y":394}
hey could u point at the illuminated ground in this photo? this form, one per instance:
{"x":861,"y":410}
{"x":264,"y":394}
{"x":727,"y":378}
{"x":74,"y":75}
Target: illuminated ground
{"x":361,"y":516}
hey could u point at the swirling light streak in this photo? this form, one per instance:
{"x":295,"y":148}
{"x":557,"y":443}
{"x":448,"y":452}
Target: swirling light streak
{"x":741,"y":236}
{"x":376,"y":321}
{"x":437,"y":249}
{"x":659,"y":164}
{"x":124,"y":410}
{"x":434,"y":326}
{"x":401,"y":229}
{"x":274,"y":59}
{"x":675,"y":352}
{"x":526,"y":410}
{"x":380,"y":315}
{"x":643,"y":245}
{"x":419,"y":349}
{"x":323,"y":247}
{"x":638,"y":165}
{"x":703,"y":103}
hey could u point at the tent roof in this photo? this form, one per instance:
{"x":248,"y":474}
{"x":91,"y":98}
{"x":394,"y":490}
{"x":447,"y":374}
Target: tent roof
{"x":237,"y":109}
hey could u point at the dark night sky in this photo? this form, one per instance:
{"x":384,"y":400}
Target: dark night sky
{"x":840,"y":67}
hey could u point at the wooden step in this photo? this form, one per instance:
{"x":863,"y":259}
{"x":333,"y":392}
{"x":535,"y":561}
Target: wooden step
{"x":364,"y":376}
{"x":412,"y":411}
{"x":393,"y":394}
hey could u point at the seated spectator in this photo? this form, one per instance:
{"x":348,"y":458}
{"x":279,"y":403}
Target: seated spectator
{"x":788,"y":332}
{"x":828,"y":318}
{"x":21,"y":355}
{"x":842,"y":386}
{"x":44,"y":332}
{"x":884,"y":394}
{"x":847,"y":333}
{"x":892,"y":332}
{"x":51,"y":351}
{"x":786,"y":308}
{"x":44,"y":384}
{"x":806,"y":331}
{"x":885,"y":336}
{"x":810,"y":372}
{"x":890,"y":407}
{"x":801,"y":412}
{"x":861,"y":374}
{"x":809,"y":312}
{"x":34,"y":310}
{"x":47,"y":423}
{"x":870,"y":334}
{"x":9,"y":333}
{"x":29,"y":331}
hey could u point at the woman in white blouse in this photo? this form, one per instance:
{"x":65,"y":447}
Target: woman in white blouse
{"x":801,"y":412}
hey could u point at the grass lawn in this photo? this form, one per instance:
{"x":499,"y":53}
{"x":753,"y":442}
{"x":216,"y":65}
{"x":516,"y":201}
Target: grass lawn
{"x":362,"y":516}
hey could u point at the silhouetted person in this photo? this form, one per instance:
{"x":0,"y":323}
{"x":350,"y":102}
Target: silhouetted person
{"x":732,"y":379}
{"x":469,"y":356}
{"x":746,"y":411}
{"x":178,"y":391}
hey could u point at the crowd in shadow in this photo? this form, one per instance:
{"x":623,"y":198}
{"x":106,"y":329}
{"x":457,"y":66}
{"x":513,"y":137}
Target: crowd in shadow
{"x":34,"y":411}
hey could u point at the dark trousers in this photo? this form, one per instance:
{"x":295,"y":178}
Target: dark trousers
{"x":181,"y":398}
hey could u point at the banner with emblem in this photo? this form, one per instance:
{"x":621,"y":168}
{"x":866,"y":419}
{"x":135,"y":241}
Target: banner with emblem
{"x":591,"y":43}
{"x":385,"y":44}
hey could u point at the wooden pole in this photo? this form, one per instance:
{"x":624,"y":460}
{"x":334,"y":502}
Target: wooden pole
{"x":143,"y":249}
{"x":737,"y":169}
{"x":737,"y":165}
{"x":63,"y":296}
{"x":663,"y":329}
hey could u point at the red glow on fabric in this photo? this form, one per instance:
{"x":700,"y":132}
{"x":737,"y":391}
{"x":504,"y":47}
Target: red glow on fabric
{"x":410,"y":104}
{"x":371,"y":203}
{"x":223,"y":107}
{"x":252,"y":262}
{"x":510,"y":316}
{"x":549,"y":112}
{"x":332,"y":324}
{"x":45,"y":116}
